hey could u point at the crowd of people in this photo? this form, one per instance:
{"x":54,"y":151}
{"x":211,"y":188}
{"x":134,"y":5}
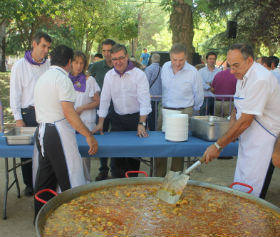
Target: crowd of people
{"x":65,"y":95}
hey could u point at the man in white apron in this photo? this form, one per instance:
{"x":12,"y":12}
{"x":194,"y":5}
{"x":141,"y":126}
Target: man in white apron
{"x":255,"y":119}
{"x":59,"y":162}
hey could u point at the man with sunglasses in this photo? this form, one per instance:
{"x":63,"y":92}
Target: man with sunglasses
{"x":255,"y":120}
{"x":128,"y":88}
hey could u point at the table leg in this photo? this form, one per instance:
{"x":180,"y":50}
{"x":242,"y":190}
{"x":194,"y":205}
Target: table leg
{"x":6,"y":189}
{"x":9,"y":186}
{"x":151,"y":166}
{"x":15,"y":176}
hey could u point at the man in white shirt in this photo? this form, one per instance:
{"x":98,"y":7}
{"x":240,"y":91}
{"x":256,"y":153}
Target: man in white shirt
{"x":255,"y":120}
{"x":128,"y":88}
{"x":24,"y":75}
{"x":181,"y":90}
{"x":207,"y":74}
{"x":59,"y":161}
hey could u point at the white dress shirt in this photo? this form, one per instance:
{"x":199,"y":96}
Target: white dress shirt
{"x":52,"y":88}
{"x":207,"y":78}
{"x":183,"y":89}
{"x":23,"y":79}
{"x":129,"y":93}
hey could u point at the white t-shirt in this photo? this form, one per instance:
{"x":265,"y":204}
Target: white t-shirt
{"x":83,"y":98}
{"x":52,"y":88}
{"x":259,"y":94}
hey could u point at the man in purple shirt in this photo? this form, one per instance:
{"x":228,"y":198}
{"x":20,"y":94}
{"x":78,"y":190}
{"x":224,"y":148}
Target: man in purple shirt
{"x":224,"y":83}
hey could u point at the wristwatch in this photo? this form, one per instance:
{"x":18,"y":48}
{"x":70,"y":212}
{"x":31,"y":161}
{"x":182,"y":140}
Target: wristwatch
{"x":142,"y":123}
{"x":218,"y":147}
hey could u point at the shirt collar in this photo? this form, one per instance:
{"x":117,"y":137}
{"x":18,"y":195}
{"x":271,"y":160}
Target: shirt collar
{"x":59,"y":69}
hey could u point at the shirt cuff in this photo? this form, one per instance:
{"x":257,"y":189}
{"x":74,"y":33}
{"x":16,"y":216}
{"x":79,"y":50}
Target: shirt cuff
{"x":102,"y":113}
{"x":18,"y":116}
{"x":145,"y":111}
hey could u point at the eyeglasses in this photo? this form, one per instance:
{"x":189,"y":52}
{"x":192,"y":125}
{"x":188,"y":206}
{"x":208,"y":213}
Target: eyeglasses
{"x":119,"y":58}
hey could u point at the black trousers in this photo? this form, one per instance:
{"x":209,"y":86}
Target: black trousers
{"x":29,"y":118}
{"x":152,"y":117}
{"x":52,"y":169}
{"x":119,"y":166}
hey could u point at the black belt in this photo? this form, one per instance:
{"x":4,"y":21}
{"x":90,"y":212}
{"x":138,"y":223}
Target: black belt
{"x":175,"y":108}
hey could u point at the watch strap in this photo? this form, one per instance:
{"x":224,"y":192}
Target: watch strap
{"x":218,"y":147}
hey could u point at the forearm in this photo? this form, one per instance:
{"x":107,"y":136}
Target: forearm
{"x":232,"y":118}
{"x":142,"y":118}
{"x":89,"y":106}
{"x":74,"y":119}
{"x":276,"y":153}
{"x":95,"y":100}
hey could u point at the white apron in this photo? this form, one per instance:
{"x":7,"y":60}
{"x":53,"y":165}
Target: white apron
{"x":254,"y":155}
{"x":71,"y":152}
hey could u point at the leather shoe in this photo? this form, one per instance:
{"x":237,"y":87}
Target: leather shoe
{"x":28,"y":191}
{"x":101,"y":176}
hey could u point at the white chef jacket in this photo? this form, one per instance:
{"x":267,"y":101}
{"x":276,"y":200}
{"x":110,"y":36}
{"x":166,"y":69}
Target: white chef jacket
{"x":24,"y":76}
{"x":129,"y":93}
{"x":183,"y":89}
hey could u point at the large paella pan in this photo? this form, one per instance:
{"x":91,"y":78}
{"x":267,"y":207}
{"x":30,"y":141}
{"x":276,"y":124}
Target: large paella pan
{"x":129,"y":207}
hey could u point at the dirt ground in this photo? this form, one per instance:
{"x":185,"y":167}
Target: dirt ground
{"x":20,"y":211}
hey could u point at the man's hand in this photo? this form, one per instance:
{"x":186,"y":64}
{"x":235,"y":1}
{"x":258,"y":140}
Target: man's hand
{"x":211,"y":153}
{"x":20,"y":123}
{"x":93,"y":145}
{"x":98,"y":128}
{"x":141,"y":131}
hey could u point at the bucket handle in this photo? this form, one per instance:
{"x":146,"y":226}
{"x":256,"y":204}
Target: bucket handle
{"x":242,"y":184}
{"x":135,"y":172}
{"x":44,"y":191}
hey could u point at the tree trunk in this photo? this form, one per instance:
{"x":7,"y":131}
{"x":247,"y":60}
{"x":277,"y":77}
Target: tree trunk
{"x":3,"y":47}
{"x":181,"y":24}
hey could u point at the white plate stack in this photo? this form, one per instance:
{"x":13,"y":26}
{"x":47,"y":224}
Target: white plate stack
{"x":176,"y":129}
{"x":165,"y":113}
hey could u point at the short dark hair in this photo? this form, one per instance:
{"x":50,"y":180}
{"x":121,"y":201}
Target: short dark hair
{"x":274,"y":60}
{"x":108,"y":41}
{"x":178,"y":48}
{"x":245,"y":49}
{"x":267,"y":61}
{"x":118,"y":47}
{"x":61,"y":55}
{"x":39,"y":35}
{"x":83,"y":56}
{"x":211,"y":53}
{"x":99,"y":55}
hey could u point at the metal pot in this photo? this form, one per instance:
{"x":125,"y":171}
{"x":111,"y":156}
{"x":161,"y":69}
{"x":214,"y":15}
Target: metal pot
{"x":81,"y":190}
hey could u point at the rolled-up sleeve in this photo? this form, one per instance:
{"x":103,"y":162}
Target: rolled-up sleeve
{"x":105,"y":98}
{"x":143,"y":95}
{"x":16,"y":92}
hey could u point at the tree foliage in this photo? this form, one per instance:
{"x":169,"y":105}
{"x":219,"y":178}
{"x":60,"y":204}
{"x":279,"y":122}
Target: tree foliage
{"x":258,"y":21}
